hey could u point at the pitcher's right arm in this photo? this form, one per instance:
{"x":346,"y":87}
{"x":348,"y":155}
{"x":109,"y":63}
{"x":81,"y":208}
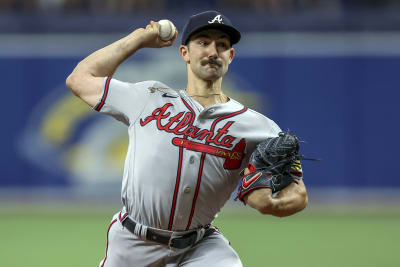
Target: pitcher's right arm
{"x":87,"y":79}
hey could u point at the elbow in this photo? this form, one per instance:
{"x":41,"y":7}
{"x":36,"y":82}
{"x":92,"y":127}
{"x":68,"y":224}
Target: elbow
{"x":72,"y":83}
{"x":69,"y":82}
{"x":303,"y":200}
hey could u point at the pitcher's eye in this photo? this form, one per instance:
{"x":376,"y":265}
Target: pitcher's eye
{"x":203,"y":43}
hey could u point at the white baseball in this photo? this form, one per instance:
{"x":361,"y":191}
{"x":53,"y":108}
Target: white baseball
{"x":167,"y":29}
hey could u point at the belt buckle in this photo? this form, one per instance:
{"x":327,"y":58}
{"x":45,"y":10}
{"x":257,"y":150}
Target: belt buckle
{"x":200,"y":234}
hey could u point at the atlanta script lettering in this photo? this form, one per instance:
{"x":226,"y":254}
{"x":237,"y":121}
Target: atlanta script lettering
{"x":182,"y":124}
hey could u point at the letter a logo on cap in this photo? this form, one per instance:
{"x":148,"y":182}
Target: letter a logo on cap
{"x":216,"y":19}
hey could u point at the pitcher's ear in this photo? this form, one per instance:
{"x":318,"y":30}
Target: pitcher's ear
{"x":231,"y":55}
{"x":184,"y":51}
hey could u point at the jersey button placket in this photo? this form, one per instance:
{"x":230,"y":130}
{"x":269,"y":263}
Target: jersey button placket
{"x":189,"y":178}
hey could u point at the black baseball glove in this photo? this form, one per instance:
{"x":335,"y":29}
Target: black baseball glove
{"x":274,"y":164}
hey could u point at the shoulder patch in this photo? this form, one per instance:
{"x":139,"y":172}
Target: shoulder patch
{"x":164,"y":91}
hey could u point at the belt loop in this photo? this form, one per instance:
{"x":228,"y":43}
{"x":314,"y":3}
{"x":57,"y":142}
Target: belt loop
{"x":143,"y":231}
{"x":170,"y":241}
{"x":122,"y":218}
{"x":200,"y":234}
{"x":140,"y":230}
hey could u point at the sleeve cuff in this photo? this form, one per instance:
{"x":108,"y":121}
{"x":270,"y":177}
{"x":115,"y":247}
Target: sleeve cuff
{"x":101,"y":102}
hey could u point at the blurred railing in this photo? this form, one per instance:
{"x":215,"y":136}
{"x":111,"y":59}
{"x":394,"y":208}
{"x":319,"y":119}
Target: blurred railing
{"x":27,"y":16}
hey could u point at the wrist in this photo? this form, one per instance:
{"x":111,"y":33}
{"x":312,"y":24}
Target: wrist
{"x":133,"y":42}
{"x":144,"y":38}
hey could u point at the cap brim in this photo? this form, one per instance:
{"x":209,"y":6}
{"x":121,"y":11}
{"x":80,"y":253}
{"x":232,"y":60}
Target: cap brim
{"x":234,"y":35}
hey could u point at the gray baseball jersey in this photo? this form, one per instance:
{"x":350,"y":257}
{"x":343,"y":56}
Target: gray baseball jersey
{"x":183,"y":160}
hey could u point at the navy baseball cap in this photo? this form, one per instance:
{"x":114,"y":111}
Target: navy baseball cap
{"x":210,"y":20}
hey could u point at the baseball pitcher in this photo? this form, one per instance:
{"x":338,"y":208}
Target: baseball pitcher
{"x":188,"y":150}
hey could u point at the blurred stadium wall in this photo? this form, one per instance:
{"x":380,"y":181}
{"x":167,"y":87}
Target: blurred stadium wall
{"x":326,"y":71}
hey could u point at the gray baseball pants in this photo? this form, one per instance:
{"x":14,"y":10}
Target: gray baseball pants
{"x":124,"y":249}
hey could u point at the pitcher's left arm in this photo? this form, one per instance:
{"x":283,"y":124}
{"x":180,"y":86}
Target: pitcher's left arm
{"x":288,"y":201}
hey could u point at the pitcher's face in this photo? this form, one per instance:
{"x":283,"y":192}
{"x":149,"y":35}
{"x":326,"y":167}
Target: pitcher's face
{"x":209,"y":54}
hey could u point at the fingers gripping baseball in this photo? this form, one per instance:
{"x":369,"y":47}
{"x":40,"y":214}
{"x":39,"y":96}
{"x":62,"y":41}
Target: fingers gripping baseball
{"x":151,"y":37}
